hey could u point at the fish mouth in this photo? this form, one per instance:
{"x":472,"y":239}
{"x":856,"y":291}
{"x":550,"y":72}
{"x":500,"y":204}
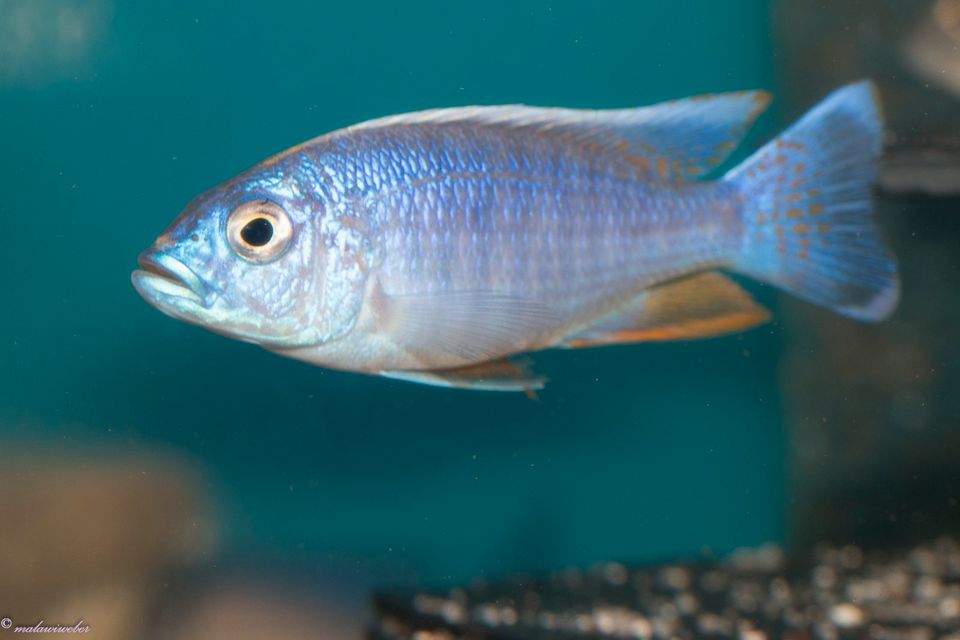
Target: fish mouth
{"x":168,"y":283}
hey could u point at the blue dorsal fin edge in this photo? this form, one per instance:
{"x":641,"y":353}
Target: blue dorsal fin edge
{"x":675,"y":140}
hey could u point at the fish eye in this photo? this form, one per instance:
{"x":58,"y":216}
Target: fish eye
{"x":259,"y":230}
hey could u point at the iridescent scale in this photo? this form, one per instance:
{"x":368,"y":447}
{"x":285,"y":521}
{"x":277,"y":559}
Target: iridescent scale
{"x":581,"y":228}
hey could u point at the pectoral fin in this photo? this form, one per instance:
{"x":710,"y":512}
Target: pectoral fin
{"x":448,"y":329}
{"x":701,"y":306}
{"x":498,"y":375}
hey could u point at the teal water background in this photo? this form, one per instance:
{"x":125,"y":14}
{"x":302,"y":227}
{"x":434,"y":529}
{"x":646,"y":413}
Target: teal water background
{"x":108,"y":128}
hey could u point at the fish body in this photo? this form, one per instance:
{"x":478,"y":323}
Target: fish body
{"x":432,"y":246}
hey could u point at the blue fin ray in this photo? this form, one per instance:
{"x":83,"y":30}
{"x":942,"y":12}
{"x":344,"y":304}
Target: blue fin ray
{"x":675,"y":140}
{"x":808,"y":209}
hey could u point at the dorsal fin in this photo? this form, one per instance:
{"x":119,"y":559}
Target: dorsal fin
{"x":672,"y":140}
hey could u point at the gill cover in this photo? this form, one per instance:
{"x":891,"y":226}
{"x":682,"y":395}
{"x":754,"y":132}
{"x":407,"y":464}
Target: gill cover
{"x":343,"y":262}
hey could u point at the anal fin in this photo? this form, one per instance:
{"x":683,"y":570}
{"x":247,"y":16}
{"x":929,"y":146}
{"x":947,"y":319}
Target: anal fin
{"x":496,"y":375}
{"x":701,"y":306}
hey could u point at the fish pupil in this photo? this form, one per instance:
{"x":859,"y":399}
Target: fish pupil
{"x":257,"y":232}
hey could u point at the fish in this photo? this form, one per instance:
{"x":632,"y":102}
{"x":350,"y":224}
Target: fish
{"x":440,"y":246}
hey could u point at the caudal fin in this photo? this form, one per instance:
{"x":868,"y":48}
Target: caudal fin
{"x":808,"y":210}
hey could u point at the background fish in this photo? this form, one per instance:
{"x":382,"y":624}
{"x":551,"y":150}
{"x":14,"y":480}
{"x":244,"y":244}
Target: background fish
{"x":432,"y":246}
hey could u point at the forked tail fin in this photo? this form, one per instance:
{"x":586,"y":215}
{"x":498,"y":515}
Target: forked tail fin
{"x":808,"y":211}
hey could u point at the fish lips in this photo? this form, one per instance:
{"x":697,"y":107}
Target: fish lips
{"x":171,"y":286}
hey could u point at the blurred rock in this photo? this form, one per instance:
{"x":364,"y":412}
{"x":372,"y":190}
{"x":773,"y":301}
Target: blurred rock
{"x":836,"y":592}
{"x":928,"y":165}
{"x":933,"y":45}
{"x":91,"y":539}
{"x":49,"y":40}
{"x":251,"y":609}
{"x":872,"y":410}
{"x":911,"y":49}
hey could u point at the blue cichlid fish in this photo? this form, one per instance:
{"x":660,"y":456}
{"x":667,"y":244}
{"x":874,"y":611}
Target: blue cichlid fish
{"x":433,"y":246}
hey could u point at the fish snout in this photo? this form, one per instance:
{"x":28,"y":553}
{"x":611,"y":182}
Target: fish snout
{"x":163,"y":278}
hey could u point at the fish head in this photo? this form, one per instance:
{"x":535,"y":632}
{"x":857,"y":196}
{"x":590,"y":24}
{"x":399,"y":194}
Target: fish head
{"x":257,"y":260}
